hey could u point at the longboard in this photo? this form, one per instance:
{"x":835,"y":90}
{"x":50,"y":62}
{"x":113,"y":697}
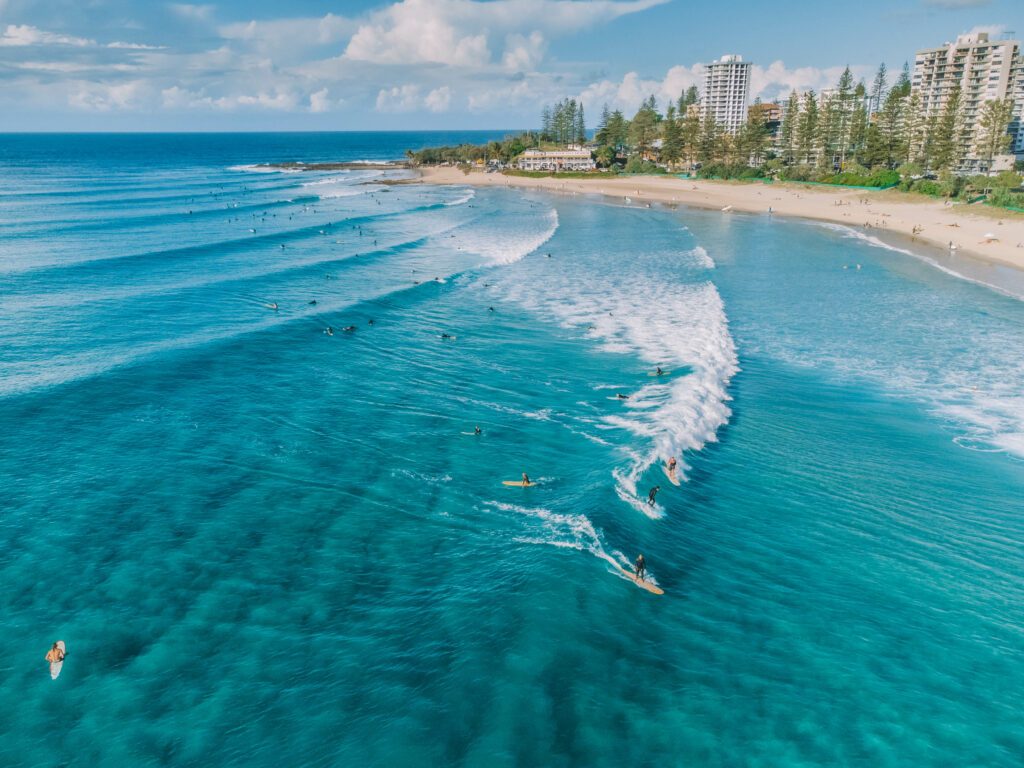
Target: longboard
{"x":672,"y":475}
{"x":55,"y":666}
{"x":517,"y":483}
{"x":663,"y":373}
{"x":643,"y":584}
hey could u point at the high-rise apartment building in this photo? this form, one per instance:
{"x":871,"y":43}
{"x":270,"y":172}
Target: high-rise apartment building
{"x":985,"y":70}
{"x":726,"y":88}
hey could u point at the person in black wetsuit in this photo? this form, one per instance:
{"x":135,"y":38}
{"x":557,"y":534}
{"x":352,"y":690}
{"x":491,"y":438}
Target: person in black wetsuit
{"x":652,"y":493}
{"x":641,"y":568}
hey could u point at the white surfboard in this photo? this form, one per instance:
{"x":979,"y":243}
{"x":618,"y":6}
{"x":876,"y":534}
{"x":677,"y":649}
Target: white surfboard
{"x":56,"y":666}
{"x":671,"y":474}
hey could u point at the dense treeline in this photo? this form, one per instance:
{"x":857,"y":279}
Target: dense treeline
{"x":852,"y":134}
{"x":564,"y":123}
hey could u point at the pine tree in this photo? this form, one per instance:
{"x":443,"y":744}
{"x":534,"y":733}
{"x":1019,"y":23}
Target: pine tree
{"x":891,"y":130}
{"x":878,"y":88}
{"x":787,"y":131}
{"x":545,"y":124}
{"x":581,"y":126}
{"x":824,"y":138}
{"x":913,"y":130}
{"x":903,"y":84}
{"x":689,"y":132}
{"x":806,"y":129}
{"x":946,"y":147}
{"x":672,"y":138}
{"x":993,"y":124}
{"x":643,"y":127}
{"x":601,"y":136}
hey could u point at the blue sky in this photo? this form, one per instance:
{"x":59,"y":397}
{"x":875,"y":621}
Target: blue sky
{"x":419,"y":64}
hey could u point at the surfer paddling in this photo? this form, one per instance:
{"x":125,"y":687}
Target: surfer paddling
{"x":55,"y":654}
{"x":641,"y":568}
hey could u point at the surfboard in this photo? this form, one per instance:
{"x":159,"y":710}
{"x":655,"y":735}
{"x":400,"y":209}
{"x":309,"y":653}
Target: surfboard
{"x":469,"y":433}
{"x":663,"y":373}
{"x":672,"y":475}
{"x":652,"y":588}
{"x":55,"y":666}
{"x":517,"y":483}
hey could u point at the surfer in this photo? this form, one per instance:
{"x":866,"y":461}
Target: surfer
{"x":621,"y":396}
{"x":672,"y":465}
{"x":55,"y":655}
{"x":312,"y":303}
{"x":659,"y":372}
{"x":329,"y":331}
{"x":526,"y":479}
{"x":349,"y":328}
{"x":641,"y":568}
{"x":652,"y":493}
{"x":477,"y":430}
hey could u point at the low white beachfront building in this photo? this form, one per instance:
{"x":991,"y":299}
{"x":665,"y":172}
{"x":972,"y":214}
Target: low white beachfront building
{"x":573,"y":159}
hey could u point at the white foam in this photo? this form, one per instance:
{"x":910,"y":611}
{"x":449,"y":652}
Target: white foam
{"x":262,"y":169}
{"x":701,"y":257}
{"x":567,"y":532}
{"x":509,"y":239}
{"x":855,"y":234}
{"x":682,"y":328}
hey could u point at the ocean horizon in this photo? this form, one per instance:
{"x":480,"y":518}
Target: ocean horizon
{"x":243,"y":482}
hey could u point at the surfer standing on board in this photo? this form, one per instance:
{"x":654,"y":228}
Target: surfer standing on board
{"x":659,"y":372}
{"x":672,"y":465}
{"x":526,"y":479}
{"x":641,"y":568}
{"x":652,"y":493}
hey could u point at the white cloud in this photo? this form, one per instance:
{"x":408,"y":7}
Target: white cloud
{"x":777,"y":81}
{"x":457,"y":32}
{"x":290,"y":32}
{"x":627,"y":93}
{"x":17,"y":35}
{"x":439,"y":99}
{"x":135,"y":46}
{"x":401,"y":98}
{"x":104,"y":97}
{"x":319,"y":101}
{"x":192,"y":12}
{"x":993,"y":30}
{"x":523,"y":53}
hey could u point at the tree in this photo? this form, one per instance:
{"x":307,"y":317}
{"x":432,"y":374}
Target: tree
{"x":787,"y":131}
{"x":903,"y":83}
{"x":946,"y":147}
{"x":580,"y":126}
{"x":824,"y":138}
{"x":993,"y":124}
{"x":601,"y":135}
{"x":913,"y":131}
{"x":753,"y":138}
{"x":672,"y":138}
{"x":690,"y":134}
{"x":878,"y":86}
{"x":643,"y":129}
{"x":806,"y":129}
{"x":890,"y":129}
{"x":545,"y":124}
{"x":618,"y":130}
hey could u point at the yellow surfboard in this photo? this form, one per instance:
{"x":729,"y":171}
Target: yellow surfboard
{"x":517,"y":483}
{"x":643,"y":584}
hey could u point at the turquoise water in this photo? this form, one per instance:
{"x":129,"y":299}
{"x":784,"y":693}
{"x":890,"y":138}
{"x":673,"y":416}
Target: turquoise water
{"x":265,"y":545}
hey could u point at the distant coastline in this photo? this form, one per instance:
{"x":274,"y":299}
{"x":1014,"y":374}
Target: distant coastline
{"x":888,"y":216}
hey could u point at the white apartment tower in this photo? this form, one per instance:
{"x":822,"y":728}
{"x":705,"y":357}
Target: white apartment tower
{"x":726,"y":87}
{"x":985,"y":70}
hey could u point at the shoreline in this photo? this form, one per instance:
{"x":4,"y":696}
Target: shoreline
{"x":999,"y":263}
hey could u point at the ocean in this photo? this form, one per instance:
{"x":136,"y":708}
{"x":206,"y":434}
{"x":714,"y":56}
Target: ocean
{"x":270,"y":541}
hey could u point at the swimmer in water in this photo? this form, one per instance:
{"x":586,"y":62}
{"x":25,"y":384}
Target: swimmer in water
{"x":477,"y":431}
{"x":329,"y":331}
{"x":349,"y":328}
{"x":312,"y":303}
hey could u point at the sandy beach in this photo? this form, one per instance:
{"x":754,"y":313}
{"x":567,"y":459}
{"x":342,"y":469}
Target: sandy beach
{"x":937,"y":224}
